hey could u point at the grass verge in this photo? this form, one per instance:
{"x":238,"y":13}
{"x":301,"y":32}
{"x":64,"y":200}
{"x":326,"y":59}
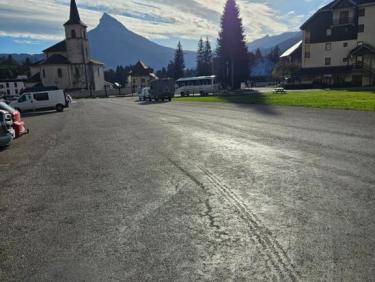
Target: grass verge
{"x":333,"y":99}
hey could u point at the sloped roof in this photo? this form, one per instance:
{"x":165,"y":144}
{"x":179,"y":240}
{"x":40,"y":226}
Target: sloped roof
{"x":58,"y":47}
{"x":74,"y":15}
{"x":35,"y":78}
{"x":141,"y":68}
{"x":95,"y":62}
{"x":362,"y":49}
{"x":334,"y":3}
{"x":57,"y":60}
{"x":292,"y":49}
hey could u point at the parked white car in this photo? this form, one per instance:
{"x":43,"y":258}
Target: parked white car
{"x":42,"y":100}
{"x":145,"y":94}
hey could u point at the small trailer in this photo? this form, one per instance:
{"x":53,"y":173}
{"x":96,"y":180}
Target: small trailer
{"x":162,"y":89}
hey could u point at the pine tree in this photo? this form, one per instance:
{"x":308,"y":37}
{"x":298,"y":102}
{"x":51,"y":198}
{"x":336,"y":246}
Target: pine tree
{"x":258,"y":55}
{"x":232,"y":50}
{"x":200,"y":58}
{"x":179,"y":62}
{"x":207,"y":58}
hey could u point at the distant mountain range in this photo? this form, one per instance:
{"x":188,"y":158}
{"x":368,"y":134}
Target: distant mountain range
{"x":284,"y":41}
{"x":22,"y":57}
{"x":113,"y":44}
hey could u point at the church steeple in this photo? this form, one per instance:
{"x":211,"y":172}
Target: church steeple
{"x":74,"y":15}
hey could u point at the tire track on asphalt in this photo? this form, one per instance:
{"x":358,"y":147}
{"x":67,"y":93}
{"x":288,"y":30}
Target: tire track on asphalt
{"x":269,"y":247}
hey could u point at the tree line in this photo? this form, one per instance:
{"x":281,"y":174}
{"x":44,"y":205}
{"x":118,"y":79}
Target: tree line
{"x":10,"y":68}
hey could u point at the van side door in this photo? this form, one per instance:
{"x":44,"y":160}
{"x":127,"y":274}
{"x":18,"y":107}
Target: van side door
{"x":41,"y":100}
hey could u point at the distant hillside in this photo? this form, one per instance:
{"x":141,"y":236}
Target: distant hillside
{"x":20,"y":58}
{"x":284,"y":41}
{"x":113,"y":44}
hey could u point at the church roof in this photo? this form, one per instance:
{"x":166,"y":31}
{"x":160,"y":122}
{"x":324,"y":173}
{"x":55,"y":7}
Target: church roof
{"x":58,"y":47}
{"x":74,"y":15}
{"x":57,"y":60}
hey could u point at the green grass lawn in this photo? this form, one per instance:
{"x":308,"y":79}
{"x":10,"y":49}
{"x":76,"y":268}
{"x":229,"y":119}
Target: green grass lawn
{"x":334,"y":99}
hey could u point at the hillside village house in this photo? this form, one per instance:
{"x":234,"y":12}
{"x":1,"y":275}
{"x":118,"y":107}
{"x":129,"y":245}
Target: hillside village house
{"x":12,"y":87}
{"x":141,"y":77}
{"x":339,"y":44}
{"x":67,"y":64}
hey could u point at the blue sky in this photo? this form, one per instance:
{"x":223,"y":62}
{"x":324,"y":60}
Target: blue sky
{"x":29,"y":26}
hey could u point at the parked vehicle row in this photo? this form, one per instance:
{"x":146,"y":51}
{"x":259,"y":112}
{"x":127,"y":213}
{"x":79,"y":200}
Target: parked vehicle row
{"x":166,"y":89}
{"x":11,"y":123}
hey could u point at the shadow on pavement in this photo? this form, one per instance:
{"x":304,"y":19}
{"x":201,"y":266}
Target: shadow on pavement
{"x":35,"y":114}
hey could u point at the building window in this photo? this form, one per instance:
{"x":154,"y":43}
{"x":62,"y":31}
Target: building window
{"x":15,"y":84}
{"x":328,"y":61}
{"x":98,"y":71}
{"x":307,"y":55}
{"x":329,"y":32}
{"x":16,"y":91}
{"x":73,"y":33}
{"x":1,"y":86}
{"x":345,"y":60}
{"x":361,"y":12}
{"x":8,"y":92}
{"x":44,"y":73}
{"x":77,"y":72}
{"x":345,"y":44}
{"x":344,"y":17}
{"x":59,"y":73}
{"x":361,"y":28}
{"x":328,"y":46}
{"x":7,"y":84}
{"x":307,"y":36}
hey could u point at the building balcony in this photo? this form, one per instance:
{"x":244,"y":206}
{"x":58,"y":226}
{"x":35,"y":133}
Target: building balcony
{"x":344,"y":21}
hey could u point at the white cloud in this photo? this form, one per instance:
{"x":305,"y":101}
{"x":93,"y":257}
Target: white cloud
{"x":156,"y":20}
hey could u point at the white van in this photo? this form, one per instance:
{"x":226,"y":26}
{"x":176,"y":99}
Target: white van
{"x":43,"y":100}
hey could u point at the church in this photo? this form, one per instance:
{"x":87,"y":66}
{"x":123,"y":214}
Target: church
{"x":67,"y":64}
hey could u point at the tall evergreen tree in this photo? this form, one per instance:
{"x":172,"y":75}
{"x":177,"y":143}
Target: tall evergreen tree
{"x":200,"y":58}
{"x":179,"y":62}
{"x":258,"y":55}
{"x":208,"y":60}
{"x":232,"y":50}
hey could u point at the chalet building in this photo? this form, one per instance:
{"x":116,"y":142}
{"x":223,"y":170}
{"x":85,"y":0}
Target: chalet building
{"x":141,"y":77}
{"x":67,"y":64}
{"x":338,"y":45}
{"x":293,"y":55}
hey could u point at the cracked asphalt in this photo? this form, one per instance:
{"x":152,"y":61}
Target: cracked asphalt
{"x":116,"y":190}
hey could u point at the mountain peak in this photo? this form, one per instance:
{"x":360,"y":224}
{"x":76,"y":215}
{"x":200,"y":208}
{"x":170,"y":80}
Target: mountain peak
{"x":108,"y":20}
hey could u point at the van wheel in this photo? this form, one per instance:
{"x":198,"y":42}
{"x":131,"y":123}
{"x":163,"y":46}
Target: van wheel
{"x":60,"y":108}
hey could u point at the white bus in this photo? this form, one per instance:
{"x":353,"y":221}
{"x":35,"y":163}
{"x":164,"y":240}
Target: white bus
{"x":202,"y":85}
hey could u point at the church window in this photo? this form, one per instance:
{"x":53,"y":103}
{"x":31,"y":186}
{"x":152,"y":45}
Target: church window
{"x":73,"y":33}
{"x":59,"y":73}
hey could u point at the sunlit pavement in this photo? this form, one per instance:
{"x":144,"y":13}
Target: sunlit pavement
{"x":112,"y":190}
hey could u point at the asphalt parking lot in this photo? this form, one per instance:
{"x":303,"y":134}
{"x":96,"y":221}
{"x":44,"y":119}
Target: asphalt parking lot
{"x":116,"y":190}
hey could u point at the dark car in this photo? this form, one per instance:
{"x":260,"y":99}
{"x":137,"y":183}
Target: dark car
{"x":18,"y":124}
{"x":6,"y":130}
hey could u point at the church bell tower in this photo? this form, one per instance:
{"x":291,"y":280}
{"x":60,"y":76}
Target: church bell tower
{"x":77,"y":45}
